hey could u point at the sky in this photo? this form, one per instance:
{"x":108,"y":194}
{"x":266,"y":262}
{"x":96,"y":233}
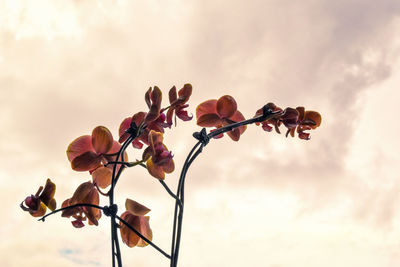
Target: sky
{"x":69,"y":66}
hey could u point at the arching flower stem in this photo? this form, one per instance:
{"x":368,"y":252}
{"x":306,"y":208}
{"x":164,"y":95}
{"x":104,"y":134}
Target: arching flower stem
{"x":203,"y":141}
{"x":71,"y":207}
{"x":126,"y":164}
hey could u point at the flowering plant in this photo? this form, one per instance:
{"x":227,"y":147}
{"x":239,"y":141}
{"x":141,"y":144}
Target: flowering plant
{"x":105,"y":159}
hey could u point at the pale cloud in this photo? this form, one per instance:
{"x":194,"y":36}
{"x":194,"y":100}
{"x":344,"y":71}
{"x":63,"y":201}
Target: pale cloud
{"x":66,"y":67}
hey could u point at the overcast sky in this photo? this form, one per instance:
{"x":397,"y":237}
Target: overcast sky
{"x":69,"y":66}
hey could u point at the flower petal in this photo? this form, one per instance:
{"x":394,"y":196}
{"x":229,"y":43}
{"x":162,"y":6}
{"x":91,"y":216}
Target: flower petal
{"x":234,"y":134}
{"x":125,"y":124}
{"x":154,"y":139}
{"x":102,"y":139}
{"x":40,"y":211}
{"x":52,"y":204}
{"x":137,"y":144}
{"x":128,"y":236}
{"x":79,"y":146}
{"x":156,"y":96}
{"x":155,"y":170}
{"x":172,"y":96}
{"x":93,"y":214}
{"x":169,"y":166}
{"x":147,"y":153}
{"x":147,"y":97}
{"x":237,"y":116}
{"x":290,"y":117}
{"x":237,"y":132}
{"x":207,"y":107}
{"x":102,"y":176}
{"x":301,"y":111}
{"x":154,"y":112}
{"x":183,"y":114}
{"x":114,"y":148}
{"x":226,"y":106}
{"x":138,"y":118}
{"x":77,"y":224}
{"x":86,"y":162}
{"x":209,"y":120}
{"x":141,"y":224}
{"x":145,"y":230}
{"x":135,"y":207}
{"x":67,"y":212}
{"x":170,"y":113}
{"x":185,"y":93}
{"x":47,"y":195}
{"x":313,"y":116}
{"x":81,"y":193}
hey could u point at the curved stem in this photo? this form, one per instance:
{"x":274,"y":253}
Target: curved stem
{"x":127,"y":164}
{"x":71,"y":207}
{"x":178,"y":213}
{"x":170,"y":192}
{"x":101,"y":192}
{"x":181,"y":196}
{"x":230,"y":127}
{"x":179,"y":208}
{"x":116,"y":252}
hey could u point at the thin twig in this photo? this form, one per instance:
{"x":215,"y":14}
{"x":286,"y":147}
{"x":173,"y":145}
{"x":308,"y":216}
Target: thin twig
{"x":170,"y":192}
{"x":71,"y":207}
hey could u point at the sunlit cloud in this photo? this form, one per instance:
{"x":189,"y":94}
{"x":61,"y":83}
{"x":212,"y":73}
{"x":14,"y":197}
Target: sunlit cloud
{"x":68,"y":66}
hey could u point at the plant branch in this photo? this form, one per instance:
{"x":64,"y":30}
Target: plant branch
{"x":126,"y":164}
{"x":170,"y":192}
{"x":71,"y":207}
{"x":203,"y":138}
{"x":268,"y":114}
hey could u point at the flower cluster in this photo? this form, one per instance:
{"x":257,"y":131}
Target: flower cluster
{"x":105,"y":158}
{"x":295,"y":120}
{"x":223,"y":112}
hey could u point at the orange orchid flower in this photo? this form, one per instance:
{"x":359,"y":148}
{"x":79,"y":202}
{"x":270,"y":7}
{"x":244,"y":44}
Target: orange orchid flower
{"x":159,"y":159}
{"x":36,"y":204}
{"x":294,"y":119}
{"x":154,"y":119}
{"x":219,"y":113}
{"x":86,"y":193}
{"x":308,"y":120}
{"x":134,"y":215}
{"x":157,"y":125}
{"x":153,"y":99}
{"x":178,"y":103}
{"x":274,"y":121}
{"x":92,"y":152}
{"x":87,"y":152}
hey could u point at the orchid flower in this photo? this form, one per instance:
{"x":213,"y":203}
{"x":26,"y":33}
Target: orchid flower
{"x":86,"y":193}
{"x":36,"y":204}
{"x":134,"y":215}
{"x":219,"y":113}
{"x":158,"y":158}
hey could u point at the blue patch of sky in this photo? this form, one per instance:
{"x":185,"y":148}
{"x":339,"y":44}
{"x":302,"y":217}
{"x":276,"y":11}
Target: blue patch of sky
{"x":75,"y":256}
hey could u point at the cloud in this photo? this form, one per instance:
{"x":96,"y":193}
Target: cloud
{"x":68,"y":67}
